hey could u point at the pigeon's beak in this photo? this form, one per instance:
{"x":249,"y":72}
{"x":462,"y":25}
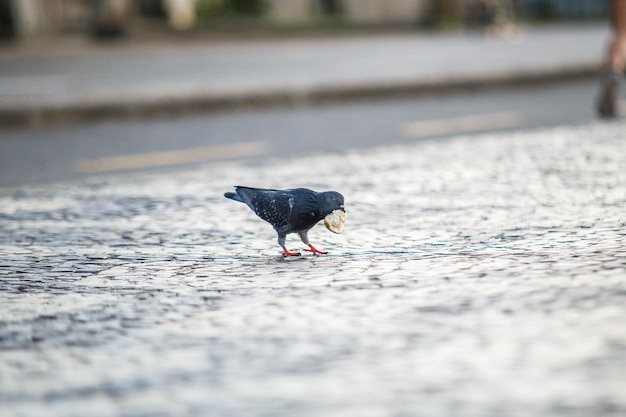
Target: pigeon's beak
{"x":341,"y":207}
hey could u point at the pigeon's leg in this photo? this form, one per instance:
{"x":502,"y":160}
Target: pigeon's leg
{"x":315,"y":251}
{"x":305,"y":239}
{"x":286,"y":252}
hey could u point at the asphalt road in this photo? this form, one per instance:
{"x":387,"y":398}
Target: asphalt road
{"x":65,"y":152}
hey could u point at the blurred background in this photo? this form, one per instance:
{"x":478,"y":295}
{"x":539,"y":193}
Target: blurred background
{"x":20,"y":19}
{"x":90,"y":86}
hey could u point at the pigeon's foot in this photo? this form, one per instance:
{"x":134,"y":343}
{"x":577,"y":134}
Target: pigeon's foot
{"x":287,"y":252}
{"x":315,"y":251}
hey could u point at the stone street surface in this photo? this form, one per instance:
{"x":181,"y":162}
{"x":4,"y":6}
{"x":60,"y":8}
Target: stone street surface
{"x":476,"y":276}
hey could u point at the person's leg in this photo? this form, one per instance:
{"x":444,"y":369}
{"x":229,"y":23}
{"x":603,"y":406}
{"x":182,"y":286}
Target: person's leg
{"x":617,"y":47}
{"x":614,"y":67}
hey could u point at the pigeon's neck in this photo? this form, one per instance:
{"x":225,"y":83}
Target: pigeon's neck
{"x":324,"y":205}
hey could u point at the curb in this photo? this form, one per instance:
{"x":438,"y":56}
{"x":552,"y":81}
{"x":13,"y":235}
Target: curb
{"x":112,"y":108}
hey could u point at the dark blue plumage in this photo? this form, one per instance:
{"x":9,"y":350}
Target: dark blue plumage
{"x":289,"y":211}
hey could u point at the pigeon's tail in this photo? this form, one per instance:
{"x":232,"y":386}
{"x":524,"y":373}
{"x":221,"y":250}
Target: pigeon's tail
{"x":233,"y":196}
{"x":244,"y":194}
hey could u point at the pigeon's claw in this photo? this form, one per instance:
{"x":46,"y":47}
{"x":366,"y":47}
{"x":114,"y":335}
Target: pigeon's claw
{"x":287,"y":252}
{"x":315,"y":251}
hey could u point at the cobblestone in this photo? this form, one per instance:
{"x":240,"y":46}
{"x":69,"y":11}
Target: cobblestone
{"x":476,"y":276}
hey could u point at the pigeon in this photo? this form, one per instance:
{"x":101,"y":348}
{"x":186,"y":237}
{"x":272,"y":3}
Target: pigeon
{"x":292,"y":211}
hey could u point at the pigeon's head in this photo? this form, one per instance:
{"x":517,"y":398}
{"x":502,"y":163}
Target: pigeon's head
{"x":331,"y":201}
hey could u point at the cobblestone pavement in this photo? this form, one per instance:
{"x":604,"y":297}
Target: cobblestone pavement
{"x":476,"y":276}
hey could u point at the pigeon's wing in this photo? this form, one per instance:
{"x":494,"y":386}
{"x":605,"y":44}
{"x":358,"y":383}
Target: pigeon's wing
{"x":273,"y":206}
{"x":307,"y":210}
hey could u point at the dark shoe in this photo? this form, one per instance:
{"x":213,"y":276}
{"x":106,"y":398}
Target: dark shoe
{"x":609,"y":94}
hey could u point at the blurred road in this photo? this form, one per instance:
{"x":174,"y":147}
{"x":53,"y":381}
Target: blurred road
{"x":59,"y":153}
{"x":62,"y":81}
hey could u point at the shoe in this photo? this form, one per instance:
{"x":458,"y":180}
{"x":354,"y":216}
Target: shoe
{"x":609,"y":93}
